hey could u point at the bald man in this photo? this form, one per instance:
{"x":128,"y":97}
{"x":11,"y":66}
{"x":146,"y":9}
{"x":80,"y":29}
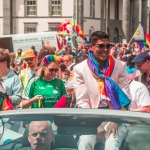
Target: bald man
{"x":40,"y":135}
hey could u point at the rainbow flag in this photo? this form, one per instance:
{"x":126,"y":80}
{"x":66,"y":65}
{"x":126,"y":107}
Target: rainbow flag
{"x":60,"y":52}
{"x":146,"y":42}
{"x":141,"y":37}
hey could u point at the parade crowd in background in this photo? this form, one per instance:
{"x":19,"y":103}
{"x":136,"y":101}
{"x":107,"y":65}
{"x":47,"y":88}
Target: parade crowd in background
{"x":46,"y":79}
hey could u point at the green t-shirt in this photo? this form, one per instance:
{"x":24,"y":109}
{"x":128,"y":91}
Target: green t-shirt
{"x":50,"y":90}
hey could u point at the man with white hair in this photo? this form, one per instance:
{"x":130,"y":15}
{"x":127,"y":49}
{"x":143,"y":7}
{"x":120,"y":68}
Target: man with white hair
{"x":40,"y":135}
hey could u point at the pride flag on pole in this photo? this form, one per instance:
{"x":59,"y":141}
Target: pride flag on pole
{"x":60,"y":49}
{"x":139,"y":34}
{"x":141,"y":37}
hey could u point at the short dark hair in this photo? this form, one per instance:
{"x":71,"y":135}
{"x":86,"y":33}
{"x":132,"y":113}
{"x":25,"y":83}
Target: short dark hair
{"x":20,"y":49}
{"x":129,"y":61}
{"x":4,"y":56}
{"x":146,"y":46}
{"x":33,"y":47}
{"x":62,"y":67}
{"x":80,"y":58}
{"x":43,"y":52}
{"x":97,"y":35}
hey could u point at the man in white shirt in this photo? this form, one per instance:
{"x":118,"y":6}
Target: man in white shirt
{"x":140,"y":97}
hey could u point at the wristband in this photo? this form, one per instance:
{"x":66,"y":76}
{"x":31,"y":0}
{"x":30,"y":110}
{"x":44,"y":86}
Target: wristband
{"x":39,"y":102}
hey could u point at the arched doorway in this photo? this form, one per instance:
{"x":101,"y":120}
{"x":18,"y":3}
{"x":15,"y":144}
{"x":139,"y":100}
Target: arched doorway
{"x":116,"y":35}
{"x":91,"y":30}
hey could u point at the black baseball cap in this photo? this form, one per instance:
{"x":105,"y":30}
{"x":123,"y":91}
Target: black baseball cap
{"x":141,"y":57}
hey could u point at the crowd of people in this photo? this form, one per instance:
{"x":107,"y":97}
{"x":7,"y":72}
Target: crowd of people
{"x":100,"y":75}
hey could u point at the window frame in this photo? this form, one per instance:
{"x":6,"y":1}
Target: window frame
{"x":50,"y":9}
{"x":92,"y":9}
{"x":30,"y":24}
{"x":53,"y":25}
{"x":26,"y":6}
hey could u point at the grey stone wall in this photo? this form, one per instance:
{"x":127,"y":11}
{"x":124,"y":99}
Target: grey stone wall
{"x":113,"y":24}
{"x":7,"y":17}
{"x":144,"y":14}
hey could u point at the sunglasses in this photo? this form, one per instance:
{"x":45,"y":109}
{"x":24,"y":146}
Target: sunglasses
{"x":29,"y":59}
{"x":108,"y":46}
{"x":53,"y":70}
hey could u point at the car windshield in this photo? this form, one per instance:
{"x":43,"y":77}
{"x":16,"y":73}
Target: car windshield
{"x":17,"y":126}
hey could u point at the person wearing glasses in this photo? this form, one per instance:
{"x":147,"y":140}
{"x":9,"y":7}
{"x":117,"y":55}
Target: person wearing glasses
{"x":45,"y":90}
{"x":29,"y":72}
{"x":101,"y":82}
{"x":18,"y":61}
{"x":139,"y":92}
{"x":67,"y":60}
{"x":142,"y":63}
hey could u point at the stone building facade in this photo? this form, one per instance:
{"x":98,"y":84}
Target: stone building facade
{"x":24,"y":16}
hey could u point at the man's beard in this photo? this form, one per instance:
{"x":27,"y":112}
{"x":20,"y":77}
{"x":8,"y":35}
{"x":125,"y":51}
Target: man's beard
{"x":31,"y":65}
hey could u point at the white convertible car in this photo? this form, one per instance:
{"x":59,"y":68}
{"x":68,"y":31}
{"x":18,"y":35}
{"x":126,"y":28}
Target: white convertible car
{"x":68,"y":124}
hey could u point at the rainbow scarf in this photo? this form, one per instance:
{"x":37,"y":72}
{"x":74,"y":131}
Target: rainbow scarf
{"x":109,"y":90}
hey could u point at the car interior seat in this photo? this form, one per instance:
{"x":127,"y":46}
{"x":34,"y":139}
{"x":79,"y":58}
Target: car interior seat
{"x":138,"y":138}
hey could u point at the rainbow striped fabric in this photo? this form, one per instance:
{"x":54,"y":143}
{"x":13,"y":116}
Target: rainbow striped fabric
{"x":143,"y":43}
{"x":50,"y":58}
{"x":60,"y":52}
{"x":117,"y":99}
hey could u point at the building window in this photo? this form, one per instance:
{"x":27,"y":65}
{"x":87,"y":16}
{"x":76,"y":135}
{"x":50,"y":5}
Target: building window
{"x":117,"y":9}
{"x":55,"y":7}
{"x":30,"y":7}
{"x":52,"y":27}
{"x":91,"y":8}
{"x":30,"y":28}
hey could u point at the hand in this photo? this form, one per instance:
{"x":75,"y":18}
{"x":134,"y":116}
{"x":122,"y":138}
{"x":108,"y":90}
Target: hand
{"x":112,"y":128}
{"x":37,"y":98}
{"x":100,"y":134}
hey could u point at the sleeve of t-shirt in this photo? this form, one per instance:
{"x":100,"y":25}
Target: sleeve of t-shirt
{"x":63,"y":89}
{"x":143,"y":97}
{"x":29,"y":90}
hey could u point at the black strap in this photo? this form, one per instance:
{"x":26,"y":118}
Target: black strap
{"x":130,"y":82}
